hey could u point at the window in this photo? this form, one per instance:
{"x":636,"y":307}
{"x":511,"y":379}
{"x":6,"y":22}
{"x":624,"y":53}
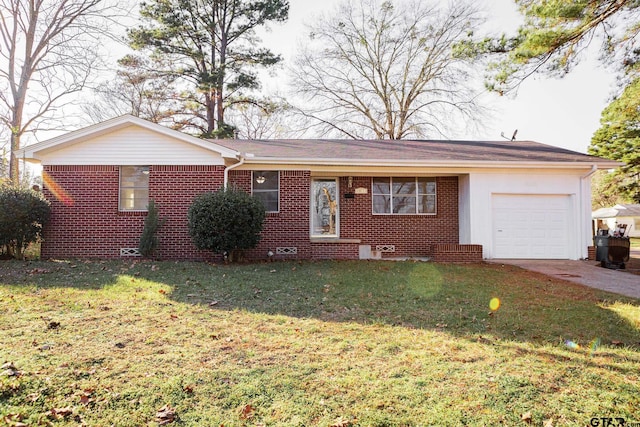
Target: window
{"x":134,"y":188}
{"x":266,"y":187}
{"x":404,"y":196}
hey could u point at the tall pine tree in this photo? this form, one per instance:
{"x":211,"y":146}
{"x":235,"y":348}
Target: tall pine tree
{"x":619,"y":139}
{"x":212,"y":46}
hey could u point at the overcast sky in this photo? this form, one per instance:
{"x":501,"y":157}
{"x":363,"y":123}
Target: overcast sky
{"x":560,"y":112}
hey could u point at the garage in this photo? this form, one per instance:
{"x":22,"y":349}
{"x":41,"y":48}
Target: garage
{"x":531,"y":226}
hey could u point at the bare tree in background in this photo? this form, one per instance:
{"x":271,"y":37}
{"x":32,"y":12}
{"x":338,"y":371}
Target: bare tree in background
{"x":48,"y":50}
{"x":267,"y":119}
{"x":387,"y":70}
{"x":139,"y":89}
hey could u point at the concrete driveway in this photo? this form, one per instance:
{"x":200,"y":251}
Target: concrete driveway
{"x":588,"y":273}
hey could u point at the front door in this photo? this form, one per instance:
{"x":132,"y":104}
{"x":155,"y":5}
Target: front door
{"x":325,"y":209}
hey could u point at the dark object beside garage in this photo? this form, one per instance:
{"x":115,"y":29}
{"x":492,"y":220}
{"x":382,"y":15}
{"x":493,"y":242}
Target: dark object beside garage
{"x":617,"y":251}
{"x":602,"y":247}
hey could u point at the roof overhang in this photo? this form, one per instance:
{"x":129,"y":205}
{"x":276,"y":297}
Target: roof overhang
{"x":329,"y":162}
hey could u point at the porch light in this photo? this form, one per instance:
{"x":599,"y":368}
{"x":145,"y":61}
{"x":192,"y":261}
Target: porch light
{"x":261,"y":179}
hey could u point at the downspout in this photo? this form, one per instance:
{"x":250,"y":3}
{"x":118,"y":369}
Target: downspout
{"x":594,"y":169}
{"x":227,"y":169}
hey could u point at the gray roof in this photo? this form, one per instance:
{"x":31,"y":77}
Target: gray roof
{"x":617,"y":211}
{"x":408,"y":150}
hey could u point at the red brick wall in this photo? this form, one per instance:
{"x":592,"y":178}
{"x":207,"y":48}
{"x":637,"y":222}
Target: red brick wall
{"x":93,"y":227}
{"x":412,"y":235}
{"x":457,"y":253}
{"x":290,"y":226}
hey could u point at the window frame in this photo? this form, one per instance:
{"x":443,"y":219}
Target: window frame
{"x":415,"y":195}
{"x":277,"y":190}
{"x":121,"y":207}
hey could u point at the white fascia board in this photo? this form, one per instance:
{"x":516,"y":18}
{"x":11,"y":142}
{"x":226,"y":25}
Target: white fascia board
{"x":30,"y":151}
{"x":437,"y":163}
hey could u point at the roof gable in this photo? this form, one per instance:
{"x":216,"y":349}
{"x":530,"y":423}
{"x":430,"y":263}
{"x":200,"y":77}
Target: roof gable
{"x":116,"y":130}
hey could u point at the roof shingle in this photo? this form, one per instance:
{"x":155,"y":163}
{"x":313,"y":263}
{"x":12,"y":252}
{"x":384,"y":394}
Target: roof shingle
{"x":406,"y":150}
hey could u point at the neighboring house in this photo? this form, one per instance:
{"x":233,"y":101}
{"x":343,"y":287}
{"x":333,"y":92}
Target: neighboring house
{"x":619,"y":216}
{"x":337,"y":199}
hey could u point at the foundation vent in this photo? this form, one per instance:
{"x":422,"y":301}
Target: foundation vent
{"x":287,"y":250}
{"x":129,"y":252}
{"x":386,"y":248}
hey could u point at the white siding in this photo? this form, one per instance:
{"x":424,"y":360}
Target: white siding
{"x":482,"y":186}
{"x":132,"y":145}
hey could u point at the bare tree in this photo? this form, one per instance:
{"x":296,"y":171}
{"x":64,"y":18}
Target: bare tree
{"x":139,"y":89}
{"x":265,"y":119}
{"x":386,"y":69}
{"x":48,"y":50}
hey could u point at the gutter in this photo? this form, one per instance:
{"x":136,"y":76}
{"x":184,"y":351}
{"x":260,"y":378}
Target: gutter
{"x":432,"y":163}
{"x":583,"y":225}
{"x":227,"y":169}
{"x":594,"y":169}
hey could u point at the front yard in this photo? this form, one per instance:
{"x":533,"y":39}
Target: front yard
{"x":310,"y":344}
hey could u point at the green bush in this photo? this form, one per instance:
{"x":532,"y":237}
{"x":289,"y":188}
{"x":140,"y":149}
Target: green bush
{"x":228,"y":220}
{"x":23,"y":213}
{"x":149,"y":240}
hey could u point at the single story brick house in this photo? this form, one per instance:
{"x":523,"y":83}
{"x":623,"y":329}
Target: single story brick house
{"x":326,"y":199}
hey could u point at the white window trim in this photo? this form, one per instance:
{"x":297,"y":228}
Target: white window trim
{"x":253,"y":191}
{"x":416,"y":195}
{"x":120,"y":209}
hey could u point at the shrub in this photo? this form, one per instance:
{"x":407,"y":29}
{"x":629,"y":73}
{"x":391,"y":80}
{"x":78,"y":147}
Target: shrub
{"x":23,"y":213}
{"x":228,"y":220}
{"x":149,"y":240}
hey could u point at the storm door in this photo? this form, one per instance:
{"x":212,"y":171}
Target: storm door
{"x":325,"y":209}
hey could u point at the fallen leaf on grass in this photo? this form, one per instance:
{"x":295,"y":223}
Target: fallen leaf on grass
{"x":58,"y":413}
{"x":212,"y":303}
{"x":13,"y":420}
{"x":247,"y":412}
{"x":53,"y":325}
{"x":85,"y":398}
{"x":166,"y":415}
{"x":9,"y":370}
{"x":342,"y":422}
{"x":548,"y":423}
{"x":526,"y":417}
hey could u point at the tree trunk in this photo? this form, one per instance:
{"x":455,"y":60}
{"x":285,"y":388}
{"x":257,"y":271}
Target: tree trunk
{"x":14,"y":168}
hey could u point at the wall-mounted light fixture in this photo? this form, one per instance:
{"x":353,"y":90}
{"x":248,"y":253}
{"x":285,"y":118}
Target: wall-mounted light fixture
{"x":350,"y":180}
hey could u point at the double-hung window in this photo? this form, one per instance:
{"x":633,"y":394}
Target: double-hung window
{"x":134,"y":188}
{"x":266,"y":187}
{"x":404,"y":196}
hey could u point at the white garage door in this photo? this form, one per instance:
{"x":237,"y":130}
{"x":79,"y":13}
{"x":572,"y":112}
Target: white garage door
{"x":531,"y":226}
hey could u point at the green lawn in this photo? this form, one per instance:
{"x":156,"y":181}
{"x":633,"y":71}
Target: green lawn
{"x":310,"y":344}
